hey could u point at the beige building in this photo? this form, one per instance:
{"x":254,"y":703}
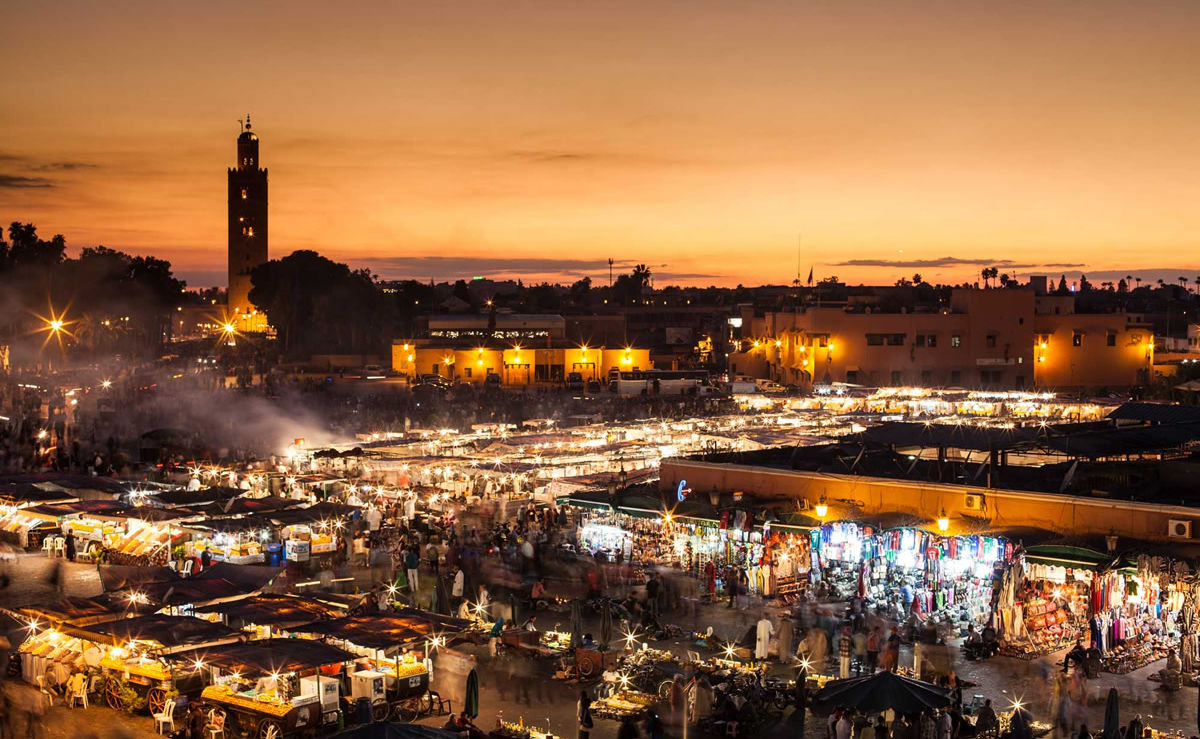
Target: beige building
{"x":1002,"y":338}
{"x":516,"y":365}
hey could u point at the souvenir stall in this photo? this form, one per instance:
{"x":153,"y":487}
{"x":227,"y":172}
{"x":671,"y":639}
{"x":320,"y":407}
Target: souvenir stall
{"x":1045,"y":599}
{"x":1138,"y":613}
{"x":932,"y":575}
{"x":272,"y":687}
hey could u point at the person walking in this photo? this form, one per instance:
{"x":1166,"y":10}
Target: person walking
{"x":412,"y":563}
{"x":762,"y":643}
{"x":845,"y":646}
{"x":584,"y":714}
{"x":874,"y":642}
{"x":786,"y":632}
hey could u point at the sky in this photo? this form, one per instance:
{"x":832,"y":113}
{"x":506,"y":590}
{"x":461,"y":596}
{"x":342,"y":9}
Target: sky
{"x":716,"y":142}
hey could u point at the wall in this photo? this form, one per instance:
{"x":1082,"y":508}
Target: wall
{"x":852,"y":497}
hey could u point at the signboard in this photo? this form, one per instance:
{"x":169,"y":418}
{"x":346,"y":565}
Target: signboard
{"x":297,"y":550}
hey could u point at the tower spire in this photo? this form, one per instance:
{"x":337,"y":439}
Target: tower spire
{"x":247,"y":121}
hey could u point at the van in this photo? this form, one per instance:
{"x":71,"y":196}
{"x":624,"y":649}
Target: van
{"x":574,"y":381}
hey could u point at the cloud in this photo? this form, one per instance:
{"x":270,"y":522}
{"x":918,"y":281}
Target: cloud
{"x":64,"y":166}
{"x":549,"y":156}
{"x":19,"y":182}
{"x":950,"y":262}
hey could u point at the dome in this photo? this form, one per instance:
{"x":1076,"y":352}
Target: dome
{"x":248,"y":136}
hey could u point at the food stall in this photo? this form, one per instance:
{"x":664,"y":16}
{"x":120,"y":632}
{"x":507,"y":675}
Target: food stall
{"x":129,"y":658}
{"x":24,"y":527}
{"x":272,"y":688}
{"x":237,"y":540}
{"x":392,"y":657}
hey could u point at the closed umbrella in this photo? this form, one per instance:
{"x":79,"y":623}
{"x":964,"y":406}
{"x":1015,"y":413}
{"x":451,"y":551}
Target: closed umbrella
{"x":605,"y":627}
{"x":1112,"y":716}
{"x":576,"y":624}
{"x":471,"y":701}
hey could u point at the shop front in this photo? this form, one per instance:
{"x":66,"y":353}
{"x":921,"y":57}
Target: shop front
{"x":1045,"y":599}
{"x":910,"y":569}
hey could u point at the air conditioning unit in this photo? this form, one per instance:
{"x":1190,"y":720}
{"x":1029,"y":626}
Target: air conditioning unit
{"x":974,"y":502}
{"x":1179,"y":529}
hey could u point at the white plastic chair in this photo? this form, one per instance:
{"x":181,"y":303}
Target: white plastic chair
{"x":187,"y":568}
{"x":78,"y":694}
{"x":47,"y":694}
{"x":216,"y":724}
{"x":48,"y":546}
{"x":167,"y":717}
{"x":60,"y":547}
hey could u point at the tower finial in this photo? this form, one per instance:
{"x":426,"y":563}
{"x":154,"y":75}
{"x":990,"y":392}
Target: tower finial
{"x":247,"y":121}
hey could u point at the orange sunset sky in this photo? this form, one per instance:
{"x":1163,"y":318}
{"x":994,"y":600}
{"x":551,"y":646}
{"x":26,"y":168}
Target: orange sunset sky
{"x":451,"y":138}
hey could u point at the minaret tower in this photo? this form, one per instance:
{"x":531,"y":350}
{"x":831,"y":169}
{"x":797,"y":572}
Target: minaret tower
{"x":247,"y":223}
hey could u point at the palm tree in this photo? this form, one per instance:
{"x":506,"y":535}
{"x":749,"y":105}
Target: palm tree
{"x":1183,"y":281}
{"x":1138,"y":280}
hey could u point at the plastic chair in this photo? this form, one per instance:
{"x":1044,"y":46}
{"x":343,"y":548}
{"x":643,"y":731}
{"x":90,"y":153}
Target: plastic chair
{"x":187,"y":568}
{"x":47,"y":694}
{"x":48,"y":546}
{"x":79,"y":693}
{"x":166,"y":718}
{"x":60,"y":547}
{"x":216,"y":724}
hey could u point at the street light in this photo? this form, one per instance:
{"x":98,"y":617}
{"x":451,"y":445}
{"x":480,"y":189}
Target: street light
{"x":943,"y":522}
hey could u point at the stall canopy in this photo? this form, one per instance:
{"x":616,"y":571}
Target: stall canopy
{"x":1058,"y":555}
{"x":270,"y":609}
{"x":267,"y":656}
{"x":22,"y":493}
{"x":382,"y":631}
{"x":76,"y":611}
{"x":315,"y":513}
{"x":173,"y":633}
{"x":193,"y":498}
{"x":164,"y":587}
{"x":882,"y":691}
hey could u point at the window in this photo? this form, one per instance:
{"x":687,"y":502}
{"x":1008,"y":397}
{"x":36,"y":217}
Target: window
{"x":1077,"y":339}
{"x":926,"y":378}
{"x":955,"y":377}
{"x":874,"y":339}
{"x":991,"y":341}
{"x":896,"y":377}
{"x":852,"y":376}
{"x":955,"y":341}
{"x":919,"y":340}
{"x":1020,"y":382}
{"x":931,"y":341}
{"x":243,"y":193}
{"x":885,"y":339}
{"x":1111,"y":339}
{"x":897,"y":339}
{"x":466,"y":371}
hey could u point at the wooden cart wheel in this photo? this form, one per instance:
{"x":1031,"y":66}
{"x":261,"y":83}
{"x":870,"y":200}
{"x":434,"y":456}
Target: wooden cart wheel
{"x":664,"y":689}
{"x":380,"y":711}
{"x":404,"y":710}
{"x":425,"y":704}
{"x":269,"y":729}
{"x":156,"y":700}
{"x":586,"y":667}
{"x":112,"y":694}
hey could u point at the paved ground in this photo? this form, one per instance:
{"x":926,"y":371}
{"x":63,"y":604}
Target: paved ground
{"x":524,"y":688}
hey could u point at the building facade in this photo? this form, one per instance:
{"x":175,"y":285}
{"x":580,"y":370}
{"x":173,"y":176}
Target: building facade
{"x":247,"y":213}
{"x":991,"y":339}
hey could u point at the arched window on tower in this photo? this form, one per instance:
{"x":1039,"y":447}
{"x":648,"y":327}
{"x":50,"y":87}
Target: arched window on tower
{"x":243,"y":193}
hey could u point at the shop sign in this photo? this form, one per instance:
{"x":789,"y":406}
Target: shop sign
{"x":683,"y":491}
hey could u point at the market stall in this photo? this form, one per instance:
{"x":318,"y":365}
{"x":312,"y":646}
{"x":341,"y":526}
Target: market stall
{"x":392,"y":657}
{"x":272,"y":688}
{"x":914,"y":570}
{"x":1045,"y":599}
